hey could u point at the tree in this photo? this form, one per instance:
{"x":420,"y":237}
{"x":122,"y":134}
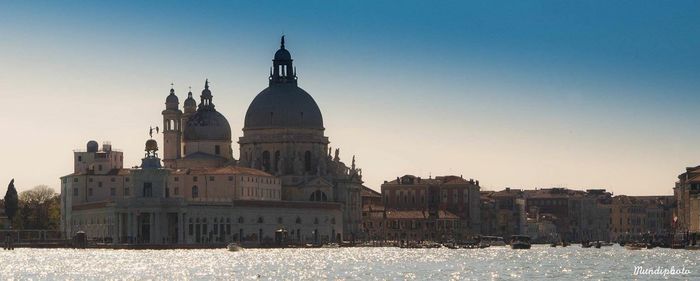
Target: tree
{"x":11,"y":201}
{"x":39,"y":208}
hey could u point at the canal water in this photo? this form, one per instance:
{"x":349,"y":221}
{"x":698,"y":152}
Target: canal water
{"x":495,"y":263}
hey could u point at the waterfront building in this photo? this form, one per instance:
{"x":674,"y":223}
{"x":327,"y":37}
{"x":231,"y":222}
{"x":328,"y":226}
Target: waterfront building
{"x":286,"y":187}
{"x":635,"y":216}
{"x":433,"y":208}
{"x":687,"y":196}
{"x":504,"y":213}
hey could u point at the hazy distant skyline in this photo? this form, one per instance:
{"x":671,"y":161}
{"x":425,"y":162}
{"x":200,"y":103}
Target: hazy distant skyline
{"x":514,"y":94}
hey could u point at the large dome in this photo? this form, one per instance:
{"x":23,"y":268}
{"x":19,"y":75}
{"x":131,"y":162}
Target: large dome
{"x":207,"y":125}
{"x":283,"y":105}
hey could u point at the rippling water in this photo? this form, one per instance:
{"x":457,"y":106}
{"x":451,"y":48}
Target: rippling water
{"x":541,"y":262}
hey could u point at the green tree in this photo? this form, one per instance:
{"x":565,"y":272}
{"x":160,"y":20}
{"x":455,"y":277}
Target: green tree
{"x":11,"y":201}
{"x":39,"y":208}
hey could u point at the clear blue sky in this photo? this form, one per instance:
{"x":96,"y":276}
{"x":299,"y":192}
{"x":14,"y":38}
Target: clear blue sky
{"x":582,"y":94}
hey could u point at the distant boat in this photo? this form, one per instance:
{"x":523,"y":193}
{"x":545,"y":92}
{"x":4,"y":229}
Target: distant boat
{"x":234,"y":247}
{"x":520,"y":242}
{"x":586,"y":244}
{"x":635,"y":246}
{"x":330,"y":245}
{"x":488,"y":241}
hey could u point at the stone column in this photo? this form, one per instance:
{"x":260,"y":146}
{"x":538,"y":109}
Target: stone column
{"x":152,"y":221}
{"x":180,"y":227}
{"x":129,"y":226}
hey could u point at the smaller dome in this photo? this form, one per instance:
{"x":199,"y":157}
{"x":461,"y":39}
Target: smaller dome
{"x":92,"y":146}
{"x":190,"y":102}
{"x":151,"y":145}
{"x":283,"y":54}
{"x":171,"y":102}
{"x":207,"y":125}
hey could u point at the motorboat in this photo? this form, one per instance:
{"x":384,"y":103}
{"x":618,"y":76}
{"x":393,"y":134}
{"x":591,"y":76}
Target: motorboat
{"x":234,"y":247}
{"x":520,"y":242}
{"x":491,"y":241}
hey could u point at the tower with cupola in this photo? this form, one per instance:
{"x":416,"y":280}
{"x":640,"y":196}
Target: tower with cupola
{"x":172,"y":130}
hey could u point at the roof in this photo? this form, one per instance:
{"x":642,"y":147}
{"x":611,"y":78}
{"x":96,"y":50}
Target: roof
{"x":368,"y":192}
{"x":207,"y":124}
{"x":283,"y":105}
{"x":227,"y":170}
{"x":112,"y":172}
{"x":438,"y":180}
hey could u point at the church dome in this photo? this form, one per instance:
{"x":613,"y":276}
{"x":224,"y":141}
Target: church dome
{"x":283,"y":105}
{"x":207,"y":125}
{"x":283,"y":54}
{"x":171,"y":102}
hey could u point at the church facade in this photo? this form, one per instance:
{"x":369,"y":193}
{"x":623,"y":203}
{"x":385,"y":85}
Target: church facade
{"x":287,"y":187}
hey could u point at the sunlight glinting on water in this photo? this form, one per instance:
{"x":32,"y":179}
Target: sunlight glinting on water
{"x":342,"y":263}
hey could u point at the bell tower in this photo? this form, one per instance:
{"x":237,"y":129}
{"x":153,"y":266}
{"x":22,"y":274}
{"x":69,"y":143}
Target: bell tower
{"x":172,"y":130}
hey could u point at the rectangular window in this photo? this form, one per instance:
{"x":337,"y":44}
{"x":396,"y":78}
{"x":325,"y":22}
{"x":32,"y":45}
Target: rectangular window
{"x":177,"y":191}
{"x":99,"y":184}
{"x":99,"y":167}
{"x":191,"y":229}
{"x":230,"y":178}
{"x":176,"y":179}
{"x":217,"y":150}
{"x":89,"y":179}
{"x":194,"y":179}
{"x":65,"y":180}
{"x":126,"y":179}
{"x":126,"y":191}
{"x":147,"y":189}
{"x":89,"y":191}
{"x":75,"y":191}
{"x":113,"y":191}
{"x":80,"y":158}
{"x":75,"y":179}
{"x":211,"y":178}
{"x":112,"y":180}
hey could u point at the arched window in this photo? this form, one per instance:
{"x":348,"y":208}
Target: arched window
{"x":241,"y":220}
{"x":261,"y":220}
{"x":298,"y":220}
{"x":266,"y":161}
{"x":318,"y":196}
{"x":307,"y":161}
{"x":195,"y":191}
{"x":277,"y":161}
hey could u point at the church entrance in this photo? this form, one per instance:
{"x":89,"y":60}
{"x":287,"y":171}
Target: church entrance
{"x":144,"y":229}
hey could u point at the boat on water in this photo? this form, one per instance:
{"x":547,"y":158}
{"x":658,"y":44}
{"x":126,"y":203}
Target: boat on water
{"x":598,"y":244}
{"x":234,"y":247}
{"x":586,"y":244}
{"x":635,"y":246}
{"x":330,"y":245}
{"x":488,"y":241}
{"x":520,"y":242}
